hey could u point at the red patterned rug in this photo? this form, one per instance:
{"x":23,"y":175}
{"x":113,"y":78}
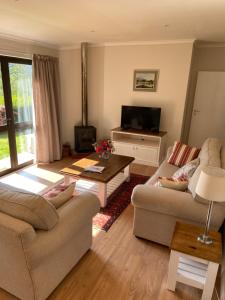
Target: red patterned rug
{"x":117,"y":202}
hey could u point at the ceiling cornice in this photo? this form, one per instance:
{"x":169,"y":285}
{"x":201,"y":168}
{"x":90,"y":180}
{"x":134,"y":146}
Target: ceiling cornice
{"x":25,"y":40}
{"x":132,"y":43}
{"x":143,"y":43}
{"x":209,"y":45}
{"x":14,"y":38}
{"x":73,"y":47}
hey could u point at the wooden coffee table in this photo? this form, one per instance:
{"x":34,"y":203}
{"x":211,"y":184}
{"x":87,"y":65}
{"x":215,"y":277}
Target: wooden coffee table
{"x":117,"y":170}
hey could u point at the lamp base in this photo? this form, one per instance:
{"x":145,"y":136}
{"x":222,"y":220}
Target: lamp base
{"x":205,"y":239}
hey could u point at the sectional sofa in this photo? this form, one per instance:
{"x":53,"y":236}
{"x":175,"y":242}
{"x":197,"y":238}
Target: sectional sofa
{"x":156,"y":209}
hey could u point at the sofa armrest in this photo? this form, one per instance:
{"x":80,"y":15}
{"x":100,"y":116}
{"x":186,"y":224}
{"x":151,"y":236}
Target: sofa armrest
{"x":169,"y":152}
{"x":11,"y":228}
{"x":157,"y":198}
{"x":174,"y":203}
{"x":78,"y":209}
{"x":75,"y":214}
{"x":15,"y":236}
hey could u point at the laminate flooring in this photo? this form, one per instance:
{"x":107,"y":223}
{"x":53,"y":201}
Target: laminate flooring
{"x":119,"y":266}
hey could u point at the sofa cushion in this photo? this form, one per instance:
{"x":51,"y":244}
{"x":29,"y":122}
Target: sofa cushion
{"x":187,"y":170}
{"x":60,"y":194}
{"x":210,"y":152}
{"x":170,"y":183}
{"x":182,"y":154}
{"x":74,"y":216}
{"x":28,"y":207}
{"x":164,"y":169}
{"x":209,"y":156}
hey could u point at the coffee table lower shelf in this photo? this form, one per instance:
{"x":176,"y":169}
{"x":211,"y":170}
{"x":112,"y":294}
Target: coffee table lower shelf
{"x":102,"y":190}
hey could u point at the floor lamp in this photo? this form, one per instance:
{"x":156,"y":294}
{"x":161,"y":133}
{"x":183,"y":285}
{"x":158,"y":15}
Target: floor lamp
{"x":211,"y":187}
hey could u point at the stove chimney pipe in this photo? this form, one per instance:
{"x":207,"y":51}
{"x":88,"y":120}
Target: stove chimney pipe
{"x":84,"y":47}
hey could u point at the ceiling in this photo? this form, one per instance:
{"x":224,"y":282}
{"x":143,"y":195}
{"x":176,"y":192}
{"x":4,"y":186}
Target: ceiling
{"x":64,"y":23}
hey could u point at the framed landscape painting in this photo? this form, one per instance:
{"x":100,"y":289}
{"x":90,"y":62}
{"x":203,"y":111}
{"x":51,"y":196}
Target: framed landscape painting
{"x":145,"y":80}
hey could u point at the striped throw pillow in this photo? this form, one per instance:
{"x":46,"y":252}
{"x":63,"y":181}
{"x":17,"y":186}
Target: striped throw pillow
{"x":182,"y":154}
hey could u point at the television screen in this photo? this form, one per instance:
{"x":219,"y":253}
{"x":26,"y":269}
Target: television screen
{"x":141,"y":118}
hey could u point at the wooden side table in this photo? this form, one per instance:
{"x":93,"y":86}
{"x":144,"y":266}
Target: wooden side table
{"x":192,"y":262}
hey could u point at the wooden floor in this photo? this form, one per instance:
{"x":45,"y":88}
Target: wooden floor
{"x":119,"y":266}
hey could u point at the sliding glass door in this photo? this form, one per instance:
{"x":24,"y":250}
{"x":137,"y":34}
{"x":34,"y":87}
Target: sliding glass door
{"x":16,"y":114}
{"x":5,"y":162}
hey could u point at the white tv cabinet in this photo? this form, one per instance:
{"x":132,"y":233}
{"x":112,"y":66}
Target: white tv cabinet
{"x":146,"y":147}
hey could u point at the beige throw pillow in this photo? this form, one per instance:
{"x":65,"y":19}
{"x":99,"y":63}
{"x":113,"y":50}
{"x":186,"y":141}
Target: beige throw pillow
{"x":175,"y":184}
{"x":28,"y":207}
{"x":62,"y":197}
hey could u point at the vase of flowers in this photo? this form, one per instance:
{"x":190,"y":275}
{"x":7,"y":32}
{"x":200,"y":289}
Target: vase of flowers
{"x":104,"y":148}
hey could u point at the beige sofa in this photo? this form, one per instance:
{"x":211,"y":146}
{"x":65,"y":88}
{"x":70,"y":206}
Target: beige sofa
{"x":34,"y":262}
{"x":156,"y":209}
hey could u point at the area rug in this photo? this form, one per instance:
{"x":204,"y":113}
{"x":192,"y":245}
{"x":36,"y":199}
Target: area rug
{"x":117,"y":202}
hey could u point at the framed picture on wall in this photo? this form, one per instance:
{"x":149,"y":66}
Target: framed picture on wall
{"x":145,"y":80}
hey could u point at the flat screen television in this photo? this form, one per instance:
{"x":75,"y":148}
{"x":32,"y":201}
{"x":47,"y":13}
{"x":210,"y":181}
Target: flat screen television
{"x":140,"y":118}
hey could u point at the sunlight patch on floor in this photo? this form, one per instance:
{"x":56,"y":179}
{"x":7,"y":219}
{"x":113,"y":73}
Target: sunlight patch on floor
{"x":22,"y":182}
{"x":44,"y":174}
{"x":32,"y":179}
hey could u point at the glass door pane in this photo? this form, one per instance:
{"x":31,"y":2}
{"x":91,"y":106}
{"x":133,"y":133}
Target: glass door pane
{"x":22,"y":104}
{"x":5,"y":162}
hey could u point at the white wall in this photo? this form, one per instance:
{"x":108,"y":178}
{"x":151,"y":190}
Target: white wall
{"x":70,"y":73}
{"x":173,"y":62}
{"x":110,"y":85}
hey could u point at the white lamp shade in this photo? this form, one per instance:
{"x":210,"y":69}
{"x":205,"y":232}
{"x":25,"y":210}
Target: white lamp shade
{"x":211,"y":184}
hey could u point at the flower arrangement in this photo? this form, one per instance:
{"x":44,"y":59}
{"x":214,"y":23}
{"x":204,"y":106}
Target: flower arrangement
{"x":104,"y":148}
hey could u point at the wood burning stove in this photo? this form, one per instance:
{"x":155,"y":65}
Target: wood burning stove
{"x":85,"y":136}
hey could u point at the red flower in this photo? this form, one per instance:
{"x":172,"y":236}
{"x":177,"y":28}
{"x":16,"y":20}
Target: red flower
{"x":103,"y":146}
{"x":99,"y":149}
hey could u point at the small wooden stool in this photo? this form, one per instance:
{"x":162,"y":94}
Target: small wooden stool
{"x":192,"y":262}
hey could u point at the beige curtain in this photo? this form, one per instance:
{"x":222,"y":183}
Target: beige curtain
{"x":46,"y":92}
